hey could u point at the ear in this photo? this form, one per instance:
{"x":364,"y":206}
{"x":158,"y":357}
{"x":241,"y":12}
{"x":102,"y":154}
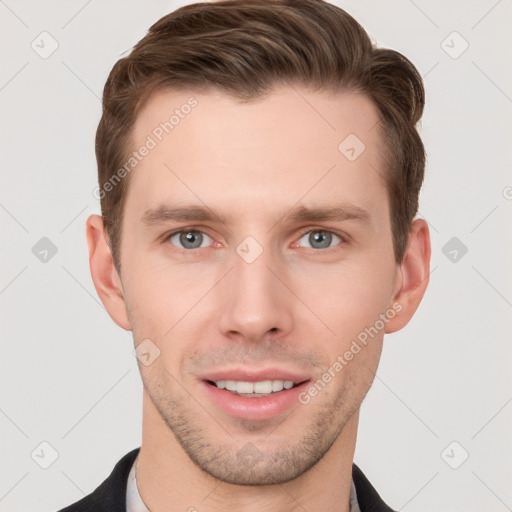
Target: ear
{"x":104,"y":274}
{"x":412,"y":276}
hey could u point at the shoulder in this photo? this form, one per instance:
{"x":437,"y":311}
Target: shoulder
{"x":111,"y":494}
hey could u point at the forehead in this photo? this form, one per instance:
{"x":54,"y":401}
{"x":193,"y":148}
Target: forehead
{"x":292,"y":143}
{"x":305,"y":114}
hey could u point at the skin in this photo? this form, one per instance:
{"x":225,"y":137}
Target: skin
{"x":298,"y":305}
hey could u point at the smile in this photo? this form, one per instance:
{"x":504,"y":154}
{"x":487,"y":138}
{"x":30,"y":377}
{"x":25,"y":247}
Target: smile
{"x":255,"y":389}
{"x":249,"y":396}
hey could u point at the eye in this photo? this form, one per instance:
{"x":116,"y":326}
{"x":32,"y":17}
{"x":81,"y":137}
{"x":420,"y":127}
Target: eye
{"x":189,"y":239}
{"x":320,"y":238}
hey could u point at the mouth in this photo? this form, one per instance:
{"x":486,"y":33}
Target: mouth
{"x":257,"y":396}
{"x":255,"y":389}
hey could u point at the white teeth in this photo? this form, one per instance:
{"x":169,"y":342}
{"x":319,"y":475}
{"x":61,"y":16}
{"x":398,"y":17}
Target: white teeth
{"x":263,"y":387}
{"x":231,"y":385}
{"x":277,"y":385}
{"x":245,"y":387}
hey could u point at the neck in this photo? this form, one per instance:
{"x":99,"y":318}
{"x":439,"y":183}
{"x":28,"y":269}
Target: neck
{"x":166,"y":475}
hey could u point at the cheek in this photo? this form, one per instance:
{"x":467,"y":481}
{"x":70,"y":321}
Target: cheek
{"x":347,"y":298}
{"x":350,"y":301}
{"x":168,"y":302}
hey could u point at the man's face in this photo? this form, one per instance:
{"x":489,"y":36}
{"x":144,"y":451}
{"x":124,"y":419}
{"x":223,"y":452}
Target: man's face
{"x":265,"y":295}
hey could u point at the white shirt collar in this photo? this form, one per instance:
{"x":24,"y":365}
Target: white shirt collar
{"x":134,"y":502}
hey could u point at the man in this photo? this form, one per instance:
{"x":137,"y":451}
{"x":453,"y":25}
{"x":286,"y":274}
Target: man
{"x":259,"y":171}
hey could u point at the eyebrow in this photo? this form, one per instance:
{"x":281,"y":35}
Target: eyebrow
{"x":198,"y":213}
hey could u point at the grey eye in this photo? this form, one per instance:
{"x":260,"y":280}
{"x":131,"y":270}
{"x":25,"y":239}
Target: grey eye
{"x":320,"y":239}
{"x":189,"y":239}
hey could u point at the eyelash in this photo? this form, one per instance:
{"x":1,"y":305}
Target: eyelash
{"x":304,"y":232}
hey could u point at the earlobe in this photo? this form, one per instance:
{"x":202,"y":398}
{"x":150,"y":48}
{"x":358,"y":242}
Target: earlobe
{"x":414,"y":271}
{"x":103,"y":272}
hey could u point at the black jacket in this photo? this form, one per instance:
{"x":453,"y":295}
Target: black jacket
{"x":110,"y":496}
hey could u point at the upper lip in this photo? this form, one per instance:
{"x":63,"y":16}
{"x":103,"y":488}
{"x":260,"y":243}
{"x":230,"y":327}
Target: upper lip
{"x":255,"y":375}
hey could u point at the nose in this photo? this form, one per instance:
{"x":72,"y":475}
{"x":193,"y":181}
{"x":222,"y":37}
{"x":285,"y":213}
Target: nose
{"x":256,"y":303}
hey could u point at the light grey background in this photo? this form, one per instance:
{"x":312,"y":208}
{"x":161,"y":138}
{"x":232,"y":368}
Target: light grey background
{"x":68,"y":374}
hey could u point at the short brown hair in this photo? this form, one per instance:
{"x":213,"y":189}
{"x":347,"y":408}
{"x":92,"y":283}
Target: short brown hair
{"x":246,"y":47}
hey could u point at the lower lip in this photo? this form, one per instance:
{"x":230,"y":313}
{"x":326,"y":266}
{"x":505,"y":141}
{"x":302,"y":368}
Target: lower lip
{"x":257,"y":408}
